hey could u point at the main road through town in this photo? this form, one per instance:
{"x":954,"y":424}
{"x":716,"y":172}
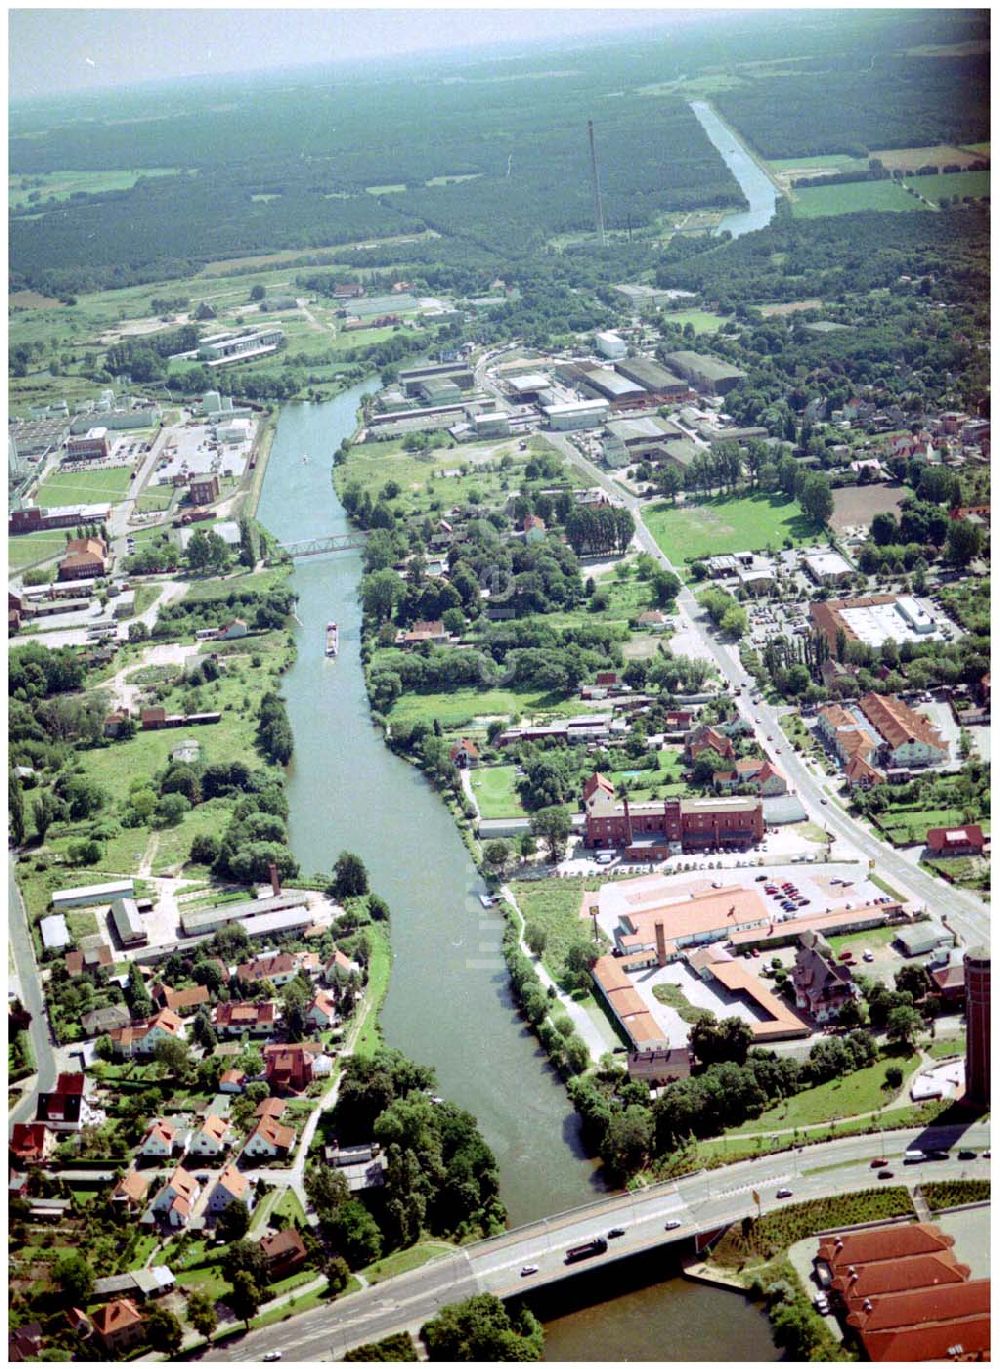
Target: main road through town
{"x":700,"y":1203}
{"x":965,"y":913}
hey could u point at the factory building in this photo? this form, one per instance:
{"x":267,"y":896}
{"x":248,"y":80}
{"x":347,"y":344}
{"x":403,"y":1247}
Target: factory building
{"x":585,"y":413}
{"x":706,"y":373}
{"x":93,"y":445}
{"x":660,"y":383}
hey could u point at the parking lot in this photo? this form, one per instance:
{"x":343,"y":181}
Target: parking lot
{"x":192,"y":451}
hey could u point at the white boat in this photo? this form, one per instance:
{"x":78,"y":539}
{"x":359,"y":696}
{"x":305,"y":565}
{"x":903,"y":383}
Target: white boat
{"x":332,"y":639}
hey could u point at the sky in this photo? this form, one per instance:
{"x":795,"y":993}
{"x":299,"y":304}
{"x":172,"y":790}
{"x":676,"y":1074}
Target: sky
{"x":52,"y":51}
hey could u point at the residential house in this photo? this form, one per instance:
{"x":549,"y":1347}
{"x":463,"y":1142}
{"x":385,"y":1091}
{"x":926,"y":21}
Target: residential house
{"x":129,"y":1194}
{"x":956,"y":841}
{"x":909,"y":738}
{"x":270,"y":1107}
{"x":115,"y":722}
{"x":706,"y":738}
{"x":284,"y":1251}
{"x":464,"y":754}
{"x":229,"y":633}
{"x":755,"y":774}
{"x":652,"y":620}
{"x":277,"y":968}
{"x":118,"y":1325}
{"x":161,"y":1140}
{"x":31,"y":1142}
{"x":822,"y":983}
{"x":25,"y":1342}
{"x":176,"y":1199}
{"x":232,"y":1081}
{"x":66,"y":1108}
{"x":180,"y":1001}
{"x":142,"y":1038}
{"x":421,"y":633}
{"x":234,"y":1018}
{"x":860,"y":774}
{"x":230,"y":1187}
{"x":290,"y":1069}
{"x":93,"y":960}
{"x":270,"y":1140}
{"x":322,"y":1012}
{"x":340,"y":968}
{"x":533,"y":527}
{"x":211,"y":1139}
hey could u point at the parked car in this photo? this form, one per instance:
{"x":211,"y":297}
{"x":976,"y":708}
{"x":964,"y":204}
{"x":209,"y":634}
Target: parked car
{"x":869,"y":956}
{"x":616,"y":1231}
{"x":672,"y":1226}
{"x":271,"y":1356}
{"x":885,"y":1174}
{"x":529,"y":1269}
{"x":783,"y":1193}
{"x":879,"y":1163}
{"x":967,"y":1155}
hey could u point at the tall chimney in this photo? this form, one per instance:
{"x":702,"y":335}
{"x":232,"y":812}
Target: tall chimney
{"x":661,"y":945}
{"x":628,"y":821}
{"x":272,"y":870}
{"x":598,"y":206}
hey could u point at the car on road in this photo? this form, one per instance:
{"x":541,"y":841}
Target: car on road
{"x":783,"y":1193}
{"x":879,"y":1162}
{"x":528,"y":1270}
{"x":604,"y":858}
{"x":885,"y":1174}
{"x":759,"y":879}
{"x":967,"y":1155}
{"x":271,"y":1356}
{"x":913,"y":1157}
{"x":869,"y":956}
{"x":823,"y":801}
{"x":616,"y":1231}
{"x":672,"y":1226}
{"x":754,"y":952}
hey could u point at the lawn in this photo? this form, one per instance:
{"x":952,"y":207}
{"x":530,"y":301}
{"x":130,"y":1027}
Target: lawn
{"x":721,"y":525}
{"x":462,"y":706}
{"x":856,"y":196}
{"x":941,"y":1050}
{"x":379,"y":969}
{"x":554,"y":905}
{"x":848,"y":1096}
{"x":701,"y":320}
{"x":673,"y":996}
{"x":905,"y":826}
{"x":34,"y":546}
{"x":496,"y":793}
{"x":877,"y":936}
{"x":108,"y":485}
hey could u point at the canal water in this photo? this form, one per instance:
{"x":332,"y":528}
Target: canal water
{"x":449,"y":1002}
{"x":759,"y":190}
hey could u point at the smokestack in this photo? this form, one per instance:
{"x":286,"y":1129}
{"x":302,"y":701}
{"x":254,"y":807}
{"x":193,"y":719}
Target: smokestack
{"x":598,"y":206}
{"x":272,"y":870}
{"x":661,"y":945}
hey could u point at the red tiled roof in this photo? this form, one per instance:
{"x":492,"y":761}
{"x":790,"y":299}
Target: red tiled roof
{"x":115,"y":1316}
{"x":882,"y":1243}
{"x":595,"y":782}
{"x":898,"y":722}
{"x":274,"y":1133}
{"x":283,"y":1244}
{"x":27,"y":1140}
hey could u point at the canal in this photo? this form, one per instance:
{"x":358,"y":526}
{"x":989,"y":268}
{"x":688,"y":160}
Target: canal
{"x":760,"y":191}
{"x":449,"y":1002}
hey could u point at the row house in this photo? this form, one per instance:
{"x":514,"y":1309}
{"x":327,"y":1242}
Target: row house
{"x":270,"y":1140}
{"x":909,"y":739}
{"x":211,"y":1139}
{"x":230,"y":1187}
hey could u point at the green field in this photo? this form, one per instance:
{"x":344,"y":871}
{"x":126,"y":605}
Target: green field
{"x":462,"y":706}
{"x":379,"y":969}
{"x":822,"y":200}
{"x":401,"y":1261}
{"x":84,"y":487}
{"x":60,"y":185}
{"x":836,"y":161}
{"x":34,"y":546}
{"x":905,"y":826}
{"x":701,"y":320}
{"x":960,"y":183}
{"x":496,"y":793}
{"x":721,"y":525}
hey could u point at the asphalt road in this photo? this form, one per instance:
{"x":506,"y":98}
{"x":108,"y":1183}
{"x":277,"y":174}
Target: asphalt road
{"x":32,"y":997}
{"x":699,"y":1203}
{"x":966,"y":913}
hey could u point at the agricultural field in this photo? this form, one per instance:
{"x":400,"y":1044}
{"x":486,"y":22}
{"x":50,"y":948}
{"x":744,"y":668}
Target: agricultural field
{"x":944,"y":154}
{"x":858,"y":504}
{"x":854,"y":197}
{"x":723,"y":525}
{"x":961,"y":183}
{"x":107,"y":485}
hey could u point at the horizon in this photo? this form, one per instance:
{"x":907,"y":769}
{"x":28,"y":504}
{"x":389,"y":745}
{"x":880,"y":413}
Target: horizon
{"x":57,"y":53}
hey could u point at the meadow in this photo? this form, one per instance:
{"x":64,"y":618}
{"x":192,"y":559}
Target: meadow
{"x":960,"y":183}
{"x":721,"y":525}
{"x":853,"y":197}
{"x":108,"y":485}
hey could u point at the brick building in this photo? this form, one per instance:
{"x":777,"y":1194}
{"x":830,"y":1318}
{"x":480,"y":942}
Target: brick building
{"x":977,"y":1019}
{"x":86,"y":557}
{"x":684,"y":824}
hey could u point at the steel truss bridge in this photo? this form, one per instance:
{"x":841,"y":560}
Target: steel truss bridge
{"x":325,"y":546}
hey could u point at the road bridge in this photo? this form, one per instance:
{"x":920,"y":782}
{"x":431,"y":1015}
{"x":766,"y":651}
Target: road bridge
{"x":325,"y":546}
{"x":664,"y":1214}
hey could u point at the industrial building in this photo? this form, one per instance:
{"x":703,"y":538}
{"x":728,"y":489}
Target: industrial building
{"x":828,"y":568}
{"x":223,"y":348}
{"x":977,"y":1017}
{"x":645,"y":831}
{"x":32,"y":519}
{"x":208,"y":920}
{"x":89,"y":894}
{"x":610,"y":345}
{"x":411,"y":379}
{"x":706,"y":373}
{"x":874,"y":619}
{"x":128,"y":923}
{"x":585,"y":413}
{"x":93,"y":445}
{"x":605,"y":383}
{"x":661,"y":384}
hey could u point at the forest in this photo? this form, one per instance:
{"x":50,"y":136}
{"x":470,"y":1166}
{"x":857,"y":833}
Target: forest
{"x":490,"y":156}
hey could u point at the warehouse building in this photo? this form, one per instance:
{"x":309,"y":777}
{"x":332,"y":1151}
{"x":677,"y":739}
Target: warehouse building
{"x":620,"y":392}
{"x":208,"y":920}
{"x":661,"y":384}
{"x":585,"y":413}
{"x":88,"y":894}
{"x":610,"y":345}
{"x":128,"y":923}
{"x":706,"y":373}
